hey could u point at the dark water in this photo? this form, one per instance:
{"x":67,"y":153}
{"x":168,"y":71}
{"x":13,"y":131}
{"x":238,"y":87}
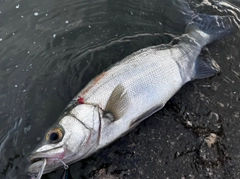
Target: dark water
{"x":50,"y":49}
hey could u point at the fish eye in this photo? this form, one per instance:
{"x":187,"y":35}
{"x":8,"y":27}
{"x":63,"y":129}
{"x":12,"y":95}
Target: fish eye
{"x":54,"y":135}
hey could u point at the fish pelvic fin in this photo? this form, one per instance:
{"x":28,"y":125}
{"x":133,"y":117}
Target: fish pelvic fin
{"x":205,"y":67}
{"x":117,"y":103}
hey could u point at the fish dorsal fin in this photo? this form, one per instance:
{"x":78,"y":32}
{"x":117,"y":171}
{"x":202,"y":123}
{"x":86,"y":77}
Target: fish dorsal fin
{"x":205,"y":67}
{"x":117,"y":103}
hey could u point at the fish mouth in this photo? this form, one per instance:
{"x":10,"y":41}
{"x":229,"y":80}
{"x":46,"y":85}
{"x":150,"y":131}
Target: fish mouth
{"x":36,"y":159}
{"x":48,"y":154}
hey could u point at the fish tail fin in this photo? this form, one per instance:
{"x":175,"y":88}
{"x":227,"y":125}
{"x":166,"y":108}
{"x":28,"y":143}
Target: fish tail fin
{"x":207,"y":28}
{"x":204,"y":28}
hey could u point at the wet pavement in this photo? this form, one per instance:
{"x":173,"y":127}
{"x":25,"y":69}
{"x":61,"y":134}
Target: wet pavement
{"x":50,"y":50}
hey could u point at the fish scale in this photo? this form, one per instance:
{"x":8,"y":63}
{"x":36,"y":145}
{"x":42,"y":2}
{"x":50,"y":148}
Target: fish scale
{"x":148,"y":87}
{"x":148,"y":66}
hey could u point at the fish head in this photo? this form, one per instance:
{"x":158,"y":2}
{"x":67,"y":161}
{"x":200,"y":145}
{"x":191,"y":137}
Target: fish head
{"x":72,"y":138}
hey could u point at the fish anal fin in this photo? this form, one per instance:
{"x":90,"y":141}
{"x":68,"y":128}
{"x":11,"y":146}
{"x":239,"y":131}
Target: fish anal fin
{"x":117,"y":103}
{"x":205,"y":67}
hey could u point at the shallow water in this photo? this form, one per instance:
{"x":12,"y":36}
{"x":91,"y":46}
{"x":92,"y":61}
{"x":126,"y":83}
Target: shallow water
{"x":49,"y":50}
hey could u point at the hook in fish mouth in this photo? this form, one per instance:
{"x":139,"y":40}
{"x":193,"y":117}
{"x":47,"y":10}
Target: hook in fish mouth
{"x":36,"y":169}
{"x":37,"y":166}
{"x":58,"y":152}
{"x":51,"y":157}
{"x":39,"y":175}
{"x":44,"y":163}
{"x":40,"y":166}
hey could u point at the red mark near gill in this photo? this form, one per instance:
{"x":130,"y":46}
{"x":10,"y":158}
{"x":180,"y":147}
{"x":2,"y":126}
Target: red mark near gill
{"x":80,"y":100}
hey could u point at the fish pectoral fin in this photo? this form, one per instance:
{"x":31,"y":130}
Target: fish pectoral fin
{"x":205,"y":67}
{"x":117,"y":103}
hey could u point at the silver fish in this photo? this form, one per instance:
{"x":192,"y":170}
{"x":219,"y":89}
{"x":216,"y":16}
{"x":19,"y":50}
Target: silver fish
{"x":120,"y":98}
